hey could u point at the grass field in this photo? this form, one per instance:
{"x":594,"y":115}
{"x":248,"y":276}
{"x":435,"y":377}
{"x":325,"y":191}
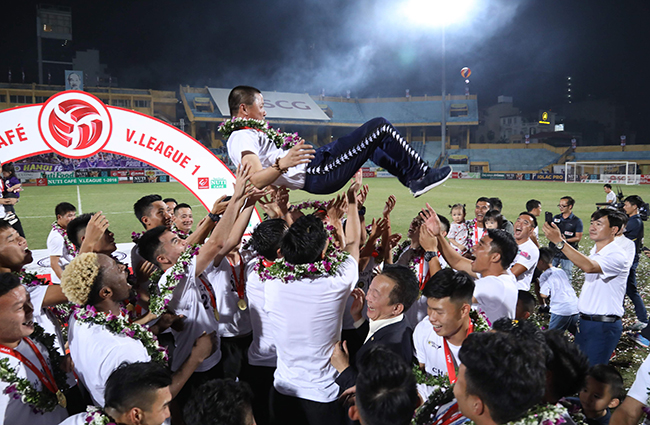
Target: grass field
{"x":36,"y":210}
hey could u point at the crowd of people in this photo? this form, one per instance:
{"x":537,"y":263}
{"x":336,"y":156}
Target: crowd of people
{"x":323,"y":315}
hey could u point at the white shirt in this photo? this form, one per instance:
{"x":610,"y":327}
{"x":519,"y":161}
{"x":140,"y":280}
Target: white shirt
{"x":258,"y":143}
{"x":430,"y":350}
{"x":639,"y":390}
{"x":13,"y":411}
{"x":527,"y":256}
{"x":629,"y":247}
{"x":44,"y":317}
{"x":262,"y":349}
{"x":611,"y":197}
{"x":375,"y":325}
{"x":603,"y":293}
{"x":97,"y":352}
{"x":458,"y":232}
{"x":554,"y":283}
{"x":306,"y":318}
{"x":56,"y":247}
{"x":192,"y":299}
{"x":497,"y":296}
{"x":232,"y":320}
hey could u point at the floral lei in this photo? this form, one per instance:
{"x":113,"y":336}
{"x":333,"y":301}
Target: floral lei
{"x":68,"y":245}
{"x":21,"y":388}
{"x":135,"y":236}
{"x":286,"y":272}
{"x":317,"y":205}
{"x":95,"y":416}
{"x":119,"y":325}
{"x":181,"y":234}
{"x":281,"y":140}
{"x":550,"y":414}
{"x":61,"y":311}
{"x":161,"y":293}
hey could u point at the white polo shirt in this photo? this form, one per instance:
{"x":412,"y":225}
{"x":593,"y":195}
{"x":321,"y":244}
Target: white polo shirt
{"x":603,"y":293}
{"x":306,"y":318}
{"x":261,"y":352}
{"x":56,"y":247}
{"x":97,"y":352}
{"x":497,"y":296}
{"x":554,"y":283}
{"x":13,"y":411}
{"x":232,"y":320}
{"x":639,"y":390}
{"x":527,"y":256}
{"x":430,"y":350}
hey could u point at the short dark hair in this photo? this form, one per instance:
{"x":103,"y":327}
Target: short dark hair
{"x":8,"y":167}
{"x":63,"y":208}
{"x":496,"y":204}
{"x":635,"y":200}
{"x":219,"y":402}
{"x":483,"y":199}
{"x":170,"y":200}
{"x":304,"y":241}
{"x":526,"y":300}
{"x":149,"y":244}
{"x":406,"y":289}
{"x":546,"y":255}
{"x":143,"y":206}
{"x":134,"y":385}
{"x":267,"y":237}
{"x":614,"y":218}
{"x":453,"y":207}
{"x":532,"y":217}
{"x":458,"y":286}
{"x":76,"y":226}
{"x":567,"y":364}
{"x":503,"y":243}
{"x":494,"y":215}
{"x":239,"y":95}
{"x":386,"y":388}
{"x":445,"y":222}
{"x":510,"y":391}
{"x":8,"y":281}
{"x":5,"y":225}
{"x":181,"y":205}
{"x":532,"y":204}
{"x":569,"y":200}
{"x":607,"y":185}
{"x":607,"y":374}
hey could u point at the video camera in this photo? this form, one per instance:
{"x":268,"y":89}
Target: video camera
{"x":643,"y":211}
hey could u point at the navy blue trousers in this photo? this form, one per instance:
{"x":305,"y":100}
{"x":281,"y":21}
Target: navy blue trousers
{"x":598,"y":340}
{"x":336,"y":163}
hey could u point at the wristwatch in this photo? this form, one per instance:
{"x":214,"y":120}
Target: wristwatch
{"x":214,"y":217}
{"x":429,"y":255}
{"x":560,"y":244}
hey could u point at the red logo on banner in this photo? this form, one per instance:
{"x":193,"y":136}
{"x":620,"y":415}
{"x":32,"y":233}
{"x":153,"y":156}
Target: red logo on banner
{"x":75,"y":124}
{"x":204,"y":183}
{"x":41,"y":182}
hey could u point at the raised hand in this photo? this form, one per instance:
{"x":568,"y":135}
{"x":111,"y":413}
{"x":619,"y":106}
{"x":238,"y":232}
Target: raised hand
{"x":300,"y":153}
{"x":388,"y":207}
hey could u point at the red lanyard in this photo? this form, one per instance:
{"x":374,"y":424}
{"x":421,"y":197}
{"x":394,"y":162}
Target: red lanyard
{"x":476,"y":236}
{"x":213,"y":301}
{"x":421,"y":278}
{"x":451,"y":415}
{"x":240,"y":285}
{"x":48,"y":382}
{"x":449,"y":359}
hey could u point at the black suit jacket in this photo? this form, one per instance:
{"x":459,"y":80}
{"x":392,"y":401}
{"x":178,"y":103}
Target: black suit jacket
{"x":397,"y":337}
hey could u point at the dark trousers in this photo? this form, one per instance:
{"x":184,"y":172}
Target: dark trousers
{"x":632,"y":292}
{"x":293,"y":410}
{"x":260,"y":378}
{"x":336,"y":163}
{"x":598,"y":340}
{"x":234,"y":355}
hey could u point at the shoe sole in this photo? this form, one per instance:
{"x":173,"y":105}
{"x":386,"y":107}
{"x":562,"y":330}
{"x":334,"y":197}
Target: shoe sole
{"x":431,"y":186}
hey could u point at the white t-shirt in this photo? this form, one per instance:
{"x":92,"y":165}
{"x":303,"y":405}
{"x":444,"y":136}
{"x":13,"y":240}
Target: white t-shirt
{"x":97,"y":352}
{"x":603,"y":293}
{"x":13,"y":411}
{"x":191,"y":298}
{"x":639,"y":390}
{"x":430,"y":350}
{"x":536,"y":231}
{"x":629,"y":247}
{"x":554,"y":283}
{"x":611,"y":197}
{"x":56,"y":247}
{"x":497,"y":296}
{"x":458,"y":232}
{"x":232,"y":320}
{"x":527,"y":256}
{"x":78,"y":419}
{"x":262,"y":349}
{"x":44,"y":317}
{"x":306,"y":318}
{"x":257,"y":142}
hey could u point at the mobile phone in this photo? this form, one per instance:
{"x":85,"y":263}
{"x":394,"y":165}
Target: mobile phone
{"x":227,"y":198}
{"x":549,"y":217}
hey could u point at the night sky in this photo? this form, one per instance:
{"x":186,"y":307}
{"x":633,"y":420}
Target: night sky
{"x":519,"y":48}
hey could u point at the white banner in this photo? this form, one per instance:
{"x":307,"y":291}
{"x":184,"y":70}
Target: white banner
{"x":299,"y":106}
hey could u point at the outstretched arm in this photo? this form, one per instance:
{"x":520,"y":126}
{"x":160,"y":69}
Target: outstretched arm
{"x":353,"y":234}
{"x":583,"y":262}
{"x":206,"y":226}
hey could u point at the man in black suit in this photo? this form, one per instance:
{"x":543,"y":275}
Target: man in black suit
{"x":391,"y":293}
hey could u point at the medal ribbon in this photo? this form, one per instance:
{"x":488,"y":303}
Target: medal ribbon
{"x":450,"y":416}
{"x":421,"y":278}
{"x":240,"y":285}
{"x":476,"y":236}
{"x":449,"y":359}
{"x":213,"y":301}
{"x":48,"y":382}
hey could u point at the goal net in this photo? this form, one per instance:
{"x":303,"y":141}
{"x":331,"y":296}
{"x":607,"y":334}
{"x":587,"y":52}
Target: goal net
{"x":619,"y":172}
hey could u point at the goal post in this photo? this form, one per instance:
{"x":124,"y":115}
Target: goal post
{"x":617,"y":172}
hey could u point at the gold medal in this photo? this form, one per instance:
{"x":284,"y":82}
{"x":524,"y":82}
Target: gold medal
{"x":61,"y":399}
{"x":216,"y":314}
{"x":242,"y":304}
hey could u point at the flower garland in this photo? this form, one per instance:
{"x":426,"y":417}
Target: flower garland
{"x":479,"y":321}
{"x":161,"y":293}
{"x":135,"y":236}
{"x":281,"y":140}
{"x":66,"y":240}
{"x":399,"y":249}
{"x":317,"y":205}
{"x":551,"y":414}
{"x":95,"y":416}
{"x":181,"y":234}
{"x":21,"y":388}
{"x":119,"y":325}
{"x":286,"y":272}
